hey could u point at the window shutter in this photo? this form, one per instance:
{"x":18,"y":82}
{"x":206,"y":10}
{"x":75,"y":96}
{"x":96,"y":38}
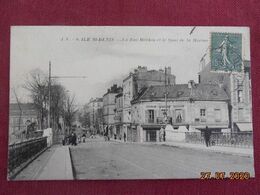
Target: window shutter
{"x":155,"y":115}
{"x":146,"y":116}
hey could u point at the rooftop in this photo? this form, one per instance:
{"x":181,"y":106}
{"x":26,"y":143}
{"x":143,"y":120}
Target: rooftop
{"x":202,"y":92}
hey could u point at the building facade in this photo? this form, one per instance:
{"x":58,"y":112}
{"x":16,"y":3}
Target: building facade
{"x":119,"y":115}
{"x":134,"y":84}
{"x":238,"y":88}
{"x":194,"y":106}
{"x":109,"y":108}
{"x":21,"y":116}
{"x":94,"y":111}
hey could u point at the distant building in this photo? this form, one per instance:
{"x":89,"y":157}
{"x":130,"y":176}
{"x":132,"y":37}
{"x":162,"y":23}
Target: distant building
{"x":194,"y":106}
{"x":109,"y":107}
{"x":20,"y":117}
{"x":119,"y":115}
{"x":238,"y":87}
{"x":94,"y":110}
{"x":136,"y":82}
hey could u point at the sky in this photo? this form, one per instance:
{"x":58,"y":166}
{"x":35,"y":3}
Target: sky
{"x":106,"y":54}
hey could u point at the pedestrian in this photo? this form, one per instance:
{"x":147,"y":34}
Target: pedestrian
{"x":105,"y":136}
{"x":207,"y":134}
{"x":63,"y":140}
{"x":70,"y":139}
{"x":73,"y":139}
{"x":84,"y":138}
{"x":164,"y":135}
{"x":161,"y":134}
{"x":109,"y":133}
{"x":106,"y":133}
{"x":124,"y":137}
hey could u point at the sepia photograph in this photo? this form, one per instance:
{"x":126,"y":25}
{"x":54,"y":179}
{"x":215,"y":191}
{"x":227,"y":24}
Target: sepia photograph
{"x":130,"y":102}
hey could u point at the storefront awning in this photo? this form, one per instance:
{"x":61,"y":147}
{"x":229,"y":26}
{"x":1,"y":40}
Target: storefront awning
{"x":244,"y":126}
{"x":151,"y":127}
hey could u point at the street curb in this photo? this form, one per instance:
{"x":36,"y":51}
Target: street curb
{"x":207,"y":150}
{"x":24,"y":165}
{"x":72,"y":166}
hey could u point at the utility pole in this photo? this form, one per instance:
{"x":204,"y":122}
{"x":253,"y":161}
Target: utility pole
{"x":50,"y":77}
{"x":93,"y":117}
{"x":165,"y":87}
{"x":49,"y":110}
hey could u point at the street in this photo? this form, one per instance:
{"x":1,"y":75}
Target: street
{"x":97,"y":159}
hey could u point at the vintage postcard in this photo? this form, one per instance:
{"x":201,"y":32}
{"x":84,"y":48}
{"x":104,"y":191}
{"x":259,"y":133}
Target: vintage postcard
{"x":114,"y":102}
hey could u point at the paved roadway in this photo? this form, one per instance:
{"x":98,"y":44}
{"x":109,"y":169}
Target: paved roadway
{"x":97,"y":159}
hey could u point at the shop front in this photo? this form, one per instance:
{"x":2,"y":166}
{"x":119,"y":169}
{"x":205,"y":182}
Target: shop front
{"x":132,"y":133}
{"x":151,"y":133}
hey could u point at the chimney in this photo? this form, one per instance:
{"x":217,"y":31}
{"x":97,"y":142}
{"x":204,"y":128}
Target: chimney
{"x":141,"y":69}
{"x":191,"y":84}
{"x":168,"y":70}
{"x":160,"y":70}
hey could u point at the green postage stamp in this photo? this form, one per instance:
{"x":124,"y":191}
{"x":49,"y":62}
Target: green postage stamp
{"x":226,"y":52}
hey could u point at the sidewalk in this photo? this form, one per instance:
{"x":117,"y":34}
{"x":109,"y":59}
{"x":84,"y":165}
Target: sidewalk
{"x":59,"y":166}
{"x":53,"y":164}
{"x":248,"y":152}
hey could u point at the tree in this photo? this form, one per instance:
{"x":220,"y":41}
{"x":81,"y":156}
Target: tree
{"x":37,"y":85}
{"x":69,"y":111}
{"x":58,"y":100}
{"x":84,"y":118}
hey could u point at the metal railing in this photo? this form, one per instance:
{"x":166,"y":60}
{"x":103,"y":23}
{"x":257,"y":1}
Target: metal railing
{"x":237,"y":139}
{"x":20,"y":153}
{"x":22,"y":137}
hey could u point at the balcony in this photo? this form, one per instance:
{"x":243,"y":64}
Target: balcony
{"x":159,"y":120}
{"x":200,"y":120}
{"x":117,"y":118}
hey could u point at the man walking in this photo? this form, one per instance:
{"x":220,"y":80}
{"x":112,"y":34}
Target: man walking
{"x":124,"y":137}
{"x":207,"y":136}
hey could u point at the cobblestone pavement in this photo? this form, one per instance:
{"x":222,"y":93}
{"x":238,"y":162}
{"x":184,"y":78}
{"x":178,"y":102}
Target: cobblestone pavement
{"x":97,"y":159}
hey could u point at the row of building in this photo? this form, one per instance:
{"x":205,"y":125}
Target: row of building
{"x":150,"y":99}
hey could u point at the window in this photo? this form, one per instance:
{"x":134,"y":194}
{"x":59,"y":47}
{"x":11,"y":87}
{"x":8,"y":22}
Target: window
{"x":150,"y":116}
{"x":239,"y":95}
{"x":240,"y":114}
{"x":214,"y":92}
{"x":150,"y":135}
{"x":239,"y":83}
{"x":217,"y":115}
{"x":202,"y":112}
{"x":179,"y":115}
